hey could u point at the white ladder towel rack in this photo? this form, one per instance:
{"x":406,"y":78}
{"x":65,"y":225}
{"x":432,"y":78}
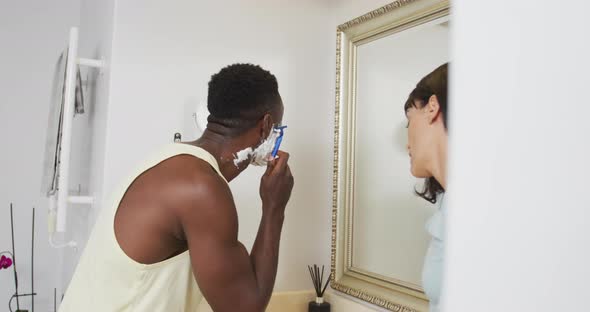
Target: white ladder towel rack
{"x":63,"y":198}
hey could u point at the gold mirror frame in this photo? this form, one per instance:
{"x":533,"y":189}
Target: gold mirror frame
{"x":395,"y":17}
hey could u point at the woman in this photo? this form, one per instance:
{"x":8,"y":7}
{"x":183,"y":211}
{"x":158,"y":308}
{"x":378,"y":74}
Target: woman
{"x":426,"y":110}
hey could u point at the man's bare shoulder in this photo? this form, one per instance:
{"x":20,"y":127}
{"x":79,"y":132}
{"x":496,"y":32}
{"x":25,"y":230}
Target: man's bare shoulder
{"x":199,"y":183}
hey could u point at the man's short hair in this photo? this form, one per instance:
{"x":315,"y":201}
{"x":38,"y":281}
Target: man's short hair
{"x":240,"y":94}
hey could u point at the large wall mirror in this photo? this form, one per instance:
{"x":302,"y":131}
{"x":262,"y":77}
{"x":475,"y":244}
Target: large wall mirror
{"x":379,"y":238}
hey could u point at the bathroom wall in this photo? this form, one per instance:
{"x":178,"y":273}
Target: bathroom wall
{"x":519,"y":217}
{"x":33,"y":35}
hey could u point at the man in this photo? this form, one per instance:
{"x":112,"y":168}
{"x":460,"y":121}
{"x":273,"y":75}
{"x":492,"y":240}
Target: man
{"x":170,"y":235}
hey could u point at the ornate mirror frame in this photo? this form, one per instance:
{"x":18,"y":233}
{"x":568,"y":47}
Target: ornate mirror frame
{"x":395,"y":17}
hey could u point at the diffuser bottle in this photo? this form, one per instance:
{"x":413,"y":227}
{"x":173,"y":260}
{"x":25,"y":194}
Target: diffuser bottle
{"x":320,"y":288}
{"x":319,"y":305}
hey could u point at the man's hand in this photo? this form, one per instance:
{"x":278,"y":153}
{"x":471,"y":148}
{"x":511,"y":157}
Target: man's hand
{"x":276,"y":186}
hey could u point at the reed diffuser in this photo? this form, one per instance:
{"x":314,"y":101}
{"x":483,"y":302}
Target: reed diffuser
{"x":319,"y":305}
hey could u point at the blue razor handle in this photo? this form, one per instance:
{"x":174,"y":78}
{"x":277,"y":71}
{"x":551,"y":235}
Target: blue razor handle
{"x":275,"y":151}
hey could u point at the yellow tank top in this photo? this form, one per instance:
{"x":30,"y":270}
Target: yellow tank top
{"x":107,"y":280}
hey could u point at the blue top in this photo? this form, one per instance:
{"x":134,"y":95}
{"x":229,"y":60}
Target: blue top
{"x":432,"y":272}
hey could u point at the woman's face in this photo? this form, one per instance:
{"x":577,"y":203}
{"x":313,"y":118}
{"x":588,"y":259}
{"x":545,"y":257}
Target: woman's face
{"x":421,"y":140}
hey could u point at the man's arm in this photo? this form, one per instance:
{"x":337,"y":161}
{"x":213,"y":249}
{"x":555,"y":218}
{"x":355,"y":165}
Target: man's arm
{"x":230,"y":279}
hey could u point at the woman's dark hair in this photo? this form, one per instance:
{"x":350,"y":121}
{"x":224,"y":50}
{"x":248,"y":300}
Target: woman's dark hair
{"x":434,"y":83}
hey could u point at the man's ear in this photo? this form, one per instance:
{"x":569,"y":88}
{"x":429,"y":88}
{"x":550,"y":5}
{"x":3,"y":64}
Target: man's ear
{"x":432,"y":108}
{"x":266,"y":127}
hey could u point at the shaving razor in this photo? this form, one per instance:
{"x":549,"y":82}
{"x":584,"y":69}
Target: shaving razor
{"x":281,"y":131}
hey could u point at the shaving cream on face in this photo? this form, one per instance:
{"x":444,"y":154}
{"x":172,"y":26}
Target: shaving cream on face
{"x":261,"y":155}
{"x":242,"y":156}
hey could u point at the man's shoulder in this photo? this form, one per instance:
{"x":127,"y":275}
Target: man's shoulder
{"x":206,"y":198}
{"x":198,"y":180}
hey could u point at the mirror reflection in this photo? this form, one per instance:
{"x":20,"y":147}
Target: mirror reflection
{"x":389,"y":236}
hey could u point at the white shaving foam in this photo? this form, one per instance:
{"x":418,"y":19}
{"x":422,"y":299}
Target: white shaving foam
{"x":261,"y":155}
{"x":242,"y":156}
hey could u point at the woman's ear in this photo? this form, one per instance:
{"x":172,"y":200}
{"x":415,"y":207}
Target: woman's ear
{"x":433,"y":108}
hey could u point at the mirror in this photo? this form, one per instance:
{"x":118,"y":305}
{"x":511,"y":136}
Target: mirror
{"x":379,"y":237}
{"x":387,"y":69}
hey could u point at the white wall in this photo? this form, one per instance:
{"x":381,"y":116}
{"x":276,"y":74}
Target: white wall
{"x":519,"y":216}
{"x":32,"y":34}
